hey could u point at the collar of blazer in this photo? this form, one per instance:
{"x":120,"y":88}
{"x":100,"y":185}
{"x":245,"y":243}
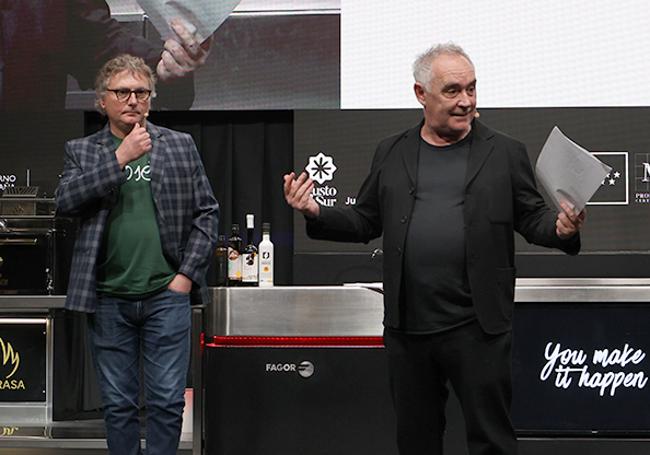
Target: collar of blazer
{"x":480,"y":149}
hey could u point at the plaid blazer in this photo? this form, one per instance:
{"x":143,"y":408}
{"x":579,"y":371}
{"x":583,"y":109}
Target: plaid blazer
{"x":186,"y":210}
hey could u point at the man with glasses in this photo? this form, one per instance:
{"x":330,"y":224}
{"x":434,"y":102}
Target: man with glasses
{"x":148,"y":226}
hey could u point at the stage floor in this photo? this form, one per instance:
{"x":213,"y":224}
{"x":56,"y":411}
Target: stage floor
{"x":78,"y":437}
{"x":86,"y":437}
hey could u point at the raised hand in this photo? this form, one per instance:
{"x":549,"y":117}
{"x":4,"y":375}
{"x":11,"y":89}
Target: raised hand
{"x":297,"y":193}
{"x":183,"y":54}
{"x":568,"y":223}
{"x":134,"y":145}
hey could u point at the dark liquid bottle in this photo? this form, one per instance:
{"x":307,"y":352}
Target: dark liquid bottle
{"x":234,"y":257}
{"x":221,"y":261}
{"x":250,"y":267}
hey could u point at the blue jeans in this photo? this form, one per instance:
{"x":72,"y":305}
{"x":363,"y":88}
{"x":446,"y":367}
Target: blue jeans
{"x":157,"y":327}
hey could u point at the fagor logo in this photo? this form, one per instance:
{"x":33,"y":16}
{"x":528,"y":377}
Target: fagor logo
{"x":305,"y":368}
{"x":9,"y":357}
{"x":321,"y":168}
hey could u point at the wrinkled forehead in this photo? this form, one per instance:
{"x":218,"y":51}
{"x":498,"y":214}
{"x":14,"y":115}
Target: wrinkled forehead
{"x":448,"y":68}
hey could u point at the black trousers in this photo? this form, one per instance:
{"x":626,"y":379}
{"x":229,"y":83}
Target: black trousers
{"x":477,"y":365}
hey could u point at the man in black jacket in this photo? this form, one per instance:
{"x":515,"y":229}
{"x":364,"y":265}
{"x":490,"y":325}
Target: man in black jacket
{"x":447,"y":195}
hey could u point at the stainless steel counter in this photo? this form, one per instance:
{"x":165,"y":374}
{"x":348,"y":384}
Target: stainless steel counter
{"x":582,"y":290}
{"x":30,"y":303}
{"x":296,"y":311}
{"x":356,"y":311}
{"x":345,"y":303}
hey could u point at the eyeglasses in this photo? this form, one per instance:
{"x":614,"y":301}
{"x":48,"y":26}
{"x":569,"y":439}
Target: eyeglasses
{"x":123,"y":94}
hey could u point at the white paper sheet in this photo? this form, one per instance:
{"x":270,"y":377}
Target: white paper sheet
{"x":568,"y":172}
{"x":202,"y":17}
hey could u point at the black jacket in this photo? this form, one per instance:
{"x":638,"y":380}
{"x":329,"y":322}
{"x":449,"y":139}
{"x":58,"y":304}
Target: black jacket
{"x":500,"y":198}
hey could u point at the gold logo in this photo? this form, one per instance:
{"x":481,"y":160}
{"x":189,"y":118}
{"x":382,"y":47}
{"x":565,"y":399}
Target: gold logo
{"x":9,"y":356}
{"x":9,"y":431}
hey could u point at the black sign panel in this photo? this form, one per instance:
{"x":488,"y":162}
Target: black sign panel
{"x":336,"y":149}
{"x":295,"y":401}
{"x":22,"y":361}
{"x":581,"y":368}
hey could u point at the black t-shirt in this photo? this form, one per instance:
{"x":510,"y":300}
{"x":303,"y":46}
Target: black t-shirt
{"x":437,"y":295}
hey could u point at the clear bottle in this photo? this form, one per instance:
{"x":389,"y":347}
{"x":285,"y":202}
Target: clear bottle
{"x":250,"y":267}
{"x":266,"y":257}
{"x":234,"y":257}
{"x":221,"y":261}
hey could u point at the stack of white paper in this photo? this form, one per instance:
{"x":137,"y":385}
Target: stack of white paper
{"x":202,"y":17}
{"x":568,"y":172}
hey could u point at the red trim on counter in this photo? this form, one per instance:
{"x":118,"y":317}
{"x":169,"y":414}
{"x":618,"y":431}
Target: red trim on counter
{"x":265,"y":341}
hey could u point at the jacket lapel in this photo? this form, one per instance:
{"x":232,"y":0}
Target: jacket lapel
{"x":104,"y":143}
{"x":104,"y":140}
{"x":157,"y":161}
{"x":410,"y":150}
{"x":480,"y":149}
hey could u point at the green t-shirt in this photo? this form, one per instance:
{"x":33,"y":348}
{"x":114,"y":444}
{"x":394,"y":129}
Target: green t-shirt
{"x":131,"y":262}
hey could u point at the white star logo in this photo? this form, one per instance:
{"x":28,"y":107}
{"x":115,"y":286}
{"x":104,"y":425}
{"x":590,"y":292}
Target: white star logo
{"x":321,"y":168}
{"x":611,"y":178}
{"x":614,"y":187}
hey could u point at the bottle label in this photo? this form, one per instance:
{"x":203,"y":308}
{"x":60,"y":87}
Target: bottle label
{"x":234,"y":264}
{"x":266,"y":268}
{"x":250,"y":268}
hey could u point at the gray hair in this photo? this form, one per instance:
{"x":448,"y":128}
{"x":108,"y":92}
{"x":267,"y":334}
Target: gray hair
{"x":422,"y":65}
{"x":123,"y":62}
